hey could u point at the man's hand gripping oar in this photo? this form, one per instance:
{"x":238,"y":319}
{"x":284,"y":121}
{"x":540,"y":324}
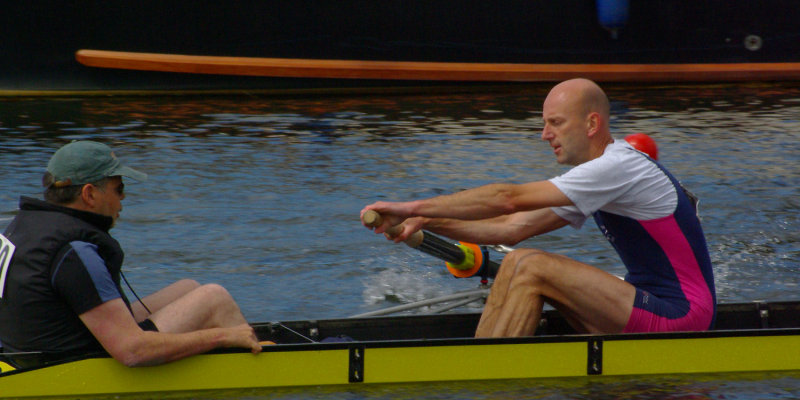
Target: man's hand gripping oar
{"x":463,"y":260}
{"x":371,"y":219}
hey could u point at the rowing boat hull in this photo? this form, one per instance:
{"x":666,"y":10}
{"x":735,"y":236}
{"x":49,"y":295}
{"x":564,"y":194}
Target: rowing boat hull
{"x":41,"y":41}
{"x":432,"y":356}
{"x":315,"y":365}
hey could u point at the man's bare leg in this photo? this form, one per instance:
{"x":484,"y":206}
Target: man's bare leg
{"x":592,"y":299}
{"x":161,"y":298}
{"x":514,"y":307}
{"x":208,"y":306}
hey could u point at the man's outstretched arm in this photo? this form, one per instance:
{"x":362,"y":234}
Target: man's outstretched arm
{"x":114,"y":327}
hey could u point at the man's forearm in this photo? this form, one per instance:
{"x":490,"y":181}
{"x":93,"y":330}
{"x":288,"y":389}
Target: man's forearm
{"x":487,"y":231}
{"x":505,"y":229}
{"x":472,"y":204}
{"x":153,"y":348}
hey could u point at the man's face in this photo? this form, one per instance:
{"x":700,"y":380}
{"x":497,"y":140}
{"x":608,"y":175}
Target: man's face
{"x":565,"y":127}
{"x":109,"y":198}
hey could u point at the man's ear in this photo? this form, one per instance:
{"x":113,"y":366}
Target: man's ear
{"x":89,"y":195}
{"x":593,"y":122}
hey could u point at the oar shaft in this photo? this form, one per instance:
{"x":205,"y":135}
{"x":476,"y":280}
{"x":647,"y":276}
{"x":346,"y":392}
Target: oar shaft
{"x":422,"y":241}
{"x":440,"y":248}
{"x":428,"y":243}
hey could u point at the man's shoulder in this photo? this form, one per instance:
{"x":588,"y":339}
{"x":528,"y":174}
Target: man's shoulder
{"x":620,"y":158}
{"x":620,"y":150}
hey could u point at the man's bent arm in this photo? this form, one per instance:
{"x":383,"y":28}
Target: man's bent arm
{"x":114,"y":327}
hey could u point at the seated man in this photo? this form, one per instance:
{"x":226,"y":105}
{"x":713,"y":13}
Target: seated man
{"x":637,"y":204}
{"x":62,"y":284}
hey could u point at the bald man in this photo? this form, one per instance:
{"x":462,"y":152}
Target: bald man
{"x":637,"y":204}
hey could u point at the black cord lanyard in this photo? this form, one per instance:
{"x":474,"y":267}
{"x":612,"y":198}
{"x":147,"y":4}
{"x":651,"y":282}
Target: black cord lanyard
{"x":134,"y":292}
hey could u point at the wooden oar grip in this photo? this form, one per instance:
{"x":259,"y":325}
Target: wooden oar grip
{"x":372,"y":219}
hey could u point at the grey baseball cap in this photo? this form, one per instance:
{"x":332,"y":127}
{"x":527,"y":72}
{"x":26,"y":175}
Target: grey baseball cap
{"x":86,"y":161}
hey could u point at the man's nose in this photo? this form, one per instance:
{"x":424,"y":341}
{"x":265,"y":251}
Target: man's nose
{"x":546,"y":133}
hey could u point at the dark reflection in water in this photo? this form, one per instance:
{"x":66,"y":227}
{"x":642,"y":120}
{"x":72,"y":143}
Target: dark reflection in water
{"x":262,"y":194}
{"x":766,"y":386}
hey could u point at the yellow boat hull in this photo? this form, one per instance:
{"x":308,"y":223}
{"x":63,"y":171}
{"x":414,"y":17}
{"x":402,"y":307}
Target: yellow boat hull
{"x":358,"y":363}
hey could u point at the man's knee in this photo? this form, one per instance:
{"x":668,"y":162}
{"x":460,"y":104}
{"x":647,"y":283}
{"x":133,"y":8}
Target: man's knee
{"x":222,"y":308}
{"x":214,"y":291}
{"x":529,"y":264}
{"x":191,"y":283}
{"x":519,"y":255}
{"x":185,"y":285}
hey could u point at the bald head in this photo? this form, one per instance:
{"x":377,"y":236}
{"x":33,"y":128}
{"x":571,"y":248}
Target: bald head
{"x":576,"y":114}
{"x":586,"y":96}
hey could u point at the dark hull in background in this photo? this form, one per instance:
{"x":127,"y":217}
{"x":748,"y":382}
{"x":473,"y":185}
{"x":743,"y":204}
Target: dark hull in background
{"x":40,"y":39}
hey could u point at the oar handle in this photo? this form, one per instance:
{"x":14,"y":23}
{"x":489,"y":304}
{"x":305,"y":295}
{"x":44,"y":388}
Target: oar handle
{"x":372,"y":219}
